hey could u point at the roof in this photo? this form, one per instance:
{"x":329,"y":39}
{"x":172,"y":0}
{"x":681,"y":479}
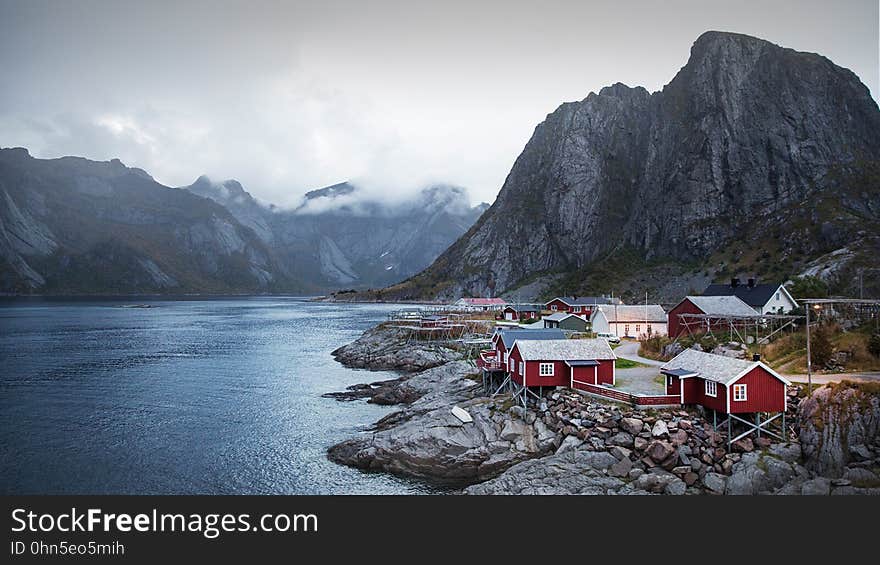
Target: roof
{"x":722,"y":306}
{"x":509,"y":337}
{"x":557,"y":317}
{"x":565,"y":350}
{"x":588,"y":363}
{"x":711,"y":367}
{"x":434,"y":317}
{"x":583,"y":300}
{"x":757,"y":295}
{"x":485,"y":301}
{"x":525,"y":307}
{"x":634,"y":313}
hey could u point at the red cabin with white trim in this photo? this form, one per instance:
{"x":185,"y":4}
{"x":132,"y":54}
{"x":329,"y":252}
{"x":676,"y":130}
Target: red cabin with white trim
{"x":561,"y":362}
{"x":725,"y":384}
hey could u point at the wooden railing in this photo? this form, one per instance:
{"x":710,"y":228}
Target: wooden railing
{"x":621,"y":396}
{"x":488,"y":360}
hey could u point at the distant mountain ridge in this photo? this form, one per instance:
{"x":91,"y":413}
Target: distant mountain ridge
{"x":338,"y":238}
{"x":753,"y":159}
{"x":75,"y":226}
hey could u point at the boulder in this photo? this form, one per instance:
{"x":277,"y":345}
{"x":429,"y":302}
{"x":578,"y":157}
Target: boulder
{"x":631,"y":425}
{"x":715,"y":483}
{"x":659,"y":451}
{"x":622,"y":439}
{"x":659,"y":429}
{"x":820,"y":486}
{"x":621,"y":468}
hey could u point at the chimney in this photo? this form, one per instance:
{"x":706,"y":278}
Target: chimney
{"x":752,"y":283}
{"x":734,"y":282}
{"x":756,"y":357}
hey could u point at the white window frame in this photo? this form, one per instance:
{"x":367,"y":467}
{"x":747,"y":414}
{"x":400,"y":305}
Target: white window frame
{"x":711,"y":388}
{"x":736,"y":393}
{"x":522,"y":370}
{"x":576,"y":309}
{"x":668,"y":380}
{"x":541,"y":368}
{"x":510,"y":364}
{"x":553,"y":307}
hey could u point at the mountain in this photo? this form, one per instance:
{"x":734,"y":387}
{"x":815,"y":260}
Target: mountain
{"x":754,"y":158}
{"x":339,"y":237}
{"x":74,"y":226}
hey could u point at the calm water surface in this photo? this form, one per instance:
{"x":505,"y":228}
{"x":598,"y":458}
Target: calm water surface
{"x":190,"y":396}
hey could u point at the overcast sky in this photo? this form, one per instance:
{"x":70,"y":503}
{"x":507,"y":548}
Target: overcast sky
{"x":290,"y":96}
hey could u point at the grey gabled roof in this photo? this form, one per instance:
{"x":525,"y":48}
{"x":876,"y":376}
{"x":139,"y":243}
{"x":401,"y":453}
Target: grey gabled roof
{"x":557,"y":317}
{"x":565,"y":350}
{"x":583,"y":300}
{"x":711,"y":367}
{"x":756,"y":295}
{"x":509,"y":337}
{"x":722,"y":306}
{"x":633,"y":313}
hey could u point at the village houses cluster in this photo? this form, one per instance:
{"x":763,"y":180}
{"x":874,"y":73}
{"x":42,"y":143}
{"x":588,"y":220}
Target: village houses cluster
{"x":533,"y":350}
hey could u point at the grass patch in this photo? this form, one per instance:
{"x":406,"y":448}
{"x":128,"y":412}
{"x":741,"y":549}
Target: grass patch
{"x":621,"y":363}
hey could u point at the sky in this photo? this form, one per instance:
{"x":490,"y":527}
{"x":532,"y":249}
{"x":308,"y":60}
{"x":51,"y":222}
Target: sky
{"x":291,"y":96}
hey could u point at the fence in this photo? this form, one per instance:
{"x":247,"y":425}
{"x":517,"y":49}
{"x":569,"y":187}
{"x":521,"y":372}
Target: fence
{"x":634,"y":399}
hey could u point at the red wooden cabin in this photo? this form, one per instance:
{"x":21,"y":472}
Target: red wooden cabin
{"x":503,"y":339}
{"x":561,"y":362}
{"x":580,"y":305}
{"x":725,"y":384}
{"x":518,"y":312}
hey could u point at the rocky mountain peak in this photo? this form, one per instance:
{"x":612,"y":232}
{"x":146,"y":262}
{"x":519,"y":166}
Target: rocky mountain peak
{"x":746,"y":134}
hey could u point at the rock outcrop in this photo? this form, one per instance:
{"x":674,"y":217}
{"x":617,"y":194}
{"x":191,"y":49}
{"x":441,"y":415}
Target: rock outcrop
{"x":385,"y":347}
{"x":427,"y":441}
{"x":840,"y":426}
{"x":748,"y":137}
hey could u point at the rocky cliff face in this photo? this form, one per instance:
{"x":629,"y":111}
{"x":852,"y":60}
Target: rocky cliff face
{"x":743,"y":140}
{"x":72,"y":225}
{"x":338,"y":238}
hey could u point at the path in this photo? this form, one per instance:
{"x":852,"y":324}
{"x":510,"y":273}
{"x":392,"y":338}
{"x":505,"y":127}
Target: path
{"x":823,"y":378}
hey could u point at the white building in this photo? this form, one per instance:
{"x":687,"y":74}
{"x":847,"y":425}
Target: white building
{"x":763,"y":298}
{"x":637,"y":321}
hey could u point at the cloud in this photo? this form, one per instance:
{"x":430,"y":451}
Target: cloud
{"x":289,"y":97}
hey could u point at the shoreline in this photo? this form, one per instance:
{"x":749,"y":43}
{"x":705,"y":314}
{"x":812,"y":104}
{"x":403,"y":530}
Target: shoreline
{"x":573,"y":445}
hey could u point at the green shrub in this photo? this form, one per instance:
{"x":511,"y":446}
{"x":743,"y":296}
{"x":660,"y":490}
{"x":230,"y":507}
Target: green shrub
{"x":874,"y":345}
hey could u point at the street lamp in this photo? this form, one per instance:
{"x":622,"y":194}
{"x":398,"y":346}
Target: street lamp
{"x":816,"y":307}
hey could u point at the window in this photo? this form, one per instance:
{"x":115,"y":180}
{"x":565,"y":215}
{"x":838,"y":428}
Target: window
{"x":711,"y":388}
{"x":576,"y":309}
{"x":626,"y":329}
{"x":777,"y":297}
{"x":638,"y":328}
{"x":510,"y":364}
{"x":522,"y":369}
{"x":553,"y":307}
{"x":739,"y":393}
{"x":669,"y":380}
{"x":545,"y":369}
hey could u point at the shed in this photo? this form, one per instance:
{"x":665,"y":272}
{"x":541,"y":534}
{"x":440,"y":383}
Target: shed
{"x":725,"y":384}
{"x":563,"y":321}
{"x":562,"y":362}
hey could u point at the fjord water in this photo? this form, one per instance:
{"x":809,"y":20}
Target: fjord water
{"x":219,"y":396}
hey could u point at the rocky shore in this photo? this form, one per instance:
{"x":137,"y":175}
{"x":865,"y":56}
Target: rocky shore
{"x":386,"y":348}
{"x":574,"y":444}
